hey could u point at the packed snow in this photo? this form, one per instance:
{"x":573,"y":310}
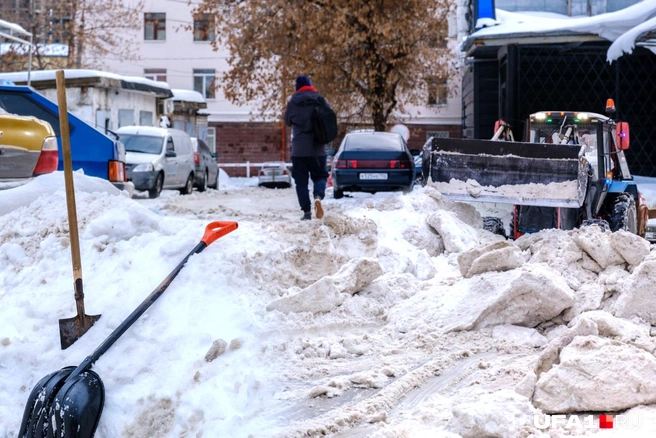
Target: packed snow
{"x":396,"y":315}
{"x":543,"y":194}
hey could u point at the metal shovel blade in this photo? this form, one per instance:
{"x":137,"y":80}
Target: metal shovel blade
{"x":72,"y":329}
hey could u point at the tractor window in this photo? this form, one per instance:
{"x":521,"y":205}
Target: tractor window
{"x":584,"y":134}
{"x":608,"y":155}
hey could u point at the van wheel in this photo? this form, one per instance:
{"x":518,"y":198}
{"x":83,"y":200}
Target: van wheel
{"x":159,"y":183}
{"x":189,"y":185}
{"x":203,"y":184}
{"x":215,"y":183}
{"x":338,"y":194}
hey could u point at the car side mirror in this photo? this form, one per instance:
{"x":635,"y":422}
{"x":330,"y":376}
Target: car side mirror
{"x":622,"y":133}
{"x":215,"y":155}
{"x":171,"y":154}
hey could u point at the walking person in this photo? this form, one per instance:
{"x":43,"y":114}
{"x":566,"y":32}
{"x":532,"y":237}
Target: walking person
{"x":308,"y":157}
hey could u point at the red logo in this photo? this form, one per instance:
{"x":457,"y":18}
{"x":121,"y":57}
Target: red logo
{"x":605,"y":421}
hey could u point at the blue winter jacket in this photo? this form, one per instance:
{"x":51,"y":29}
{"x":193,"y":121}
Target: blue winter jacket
{"x":298,"y":115}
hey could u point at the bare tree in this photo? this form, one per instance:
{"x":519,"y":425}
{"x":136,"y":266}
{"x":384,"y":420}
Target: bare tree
{"x":73,"y":33}
{"x":363,"y":55}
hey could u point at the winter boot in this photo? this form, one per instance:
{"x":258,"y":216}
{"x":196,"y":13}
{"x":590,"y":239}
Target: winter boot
{"x":318,"y":209}
{"x":307,"y":216}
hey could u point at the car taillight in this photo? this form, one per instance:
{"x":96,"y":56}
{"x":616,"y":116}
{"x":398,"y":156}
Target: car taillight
{"x":196,"y":158}
{"x":47,"y":161}
{"x":116,"y":171}
{"x":346,"y":164}
{"x":260,"y":173}
{"x":285,"y":172}
{"x":399,"y":164}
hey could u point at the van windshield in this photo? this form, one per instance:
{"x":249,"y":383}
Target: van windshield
{"x":144,"y":144}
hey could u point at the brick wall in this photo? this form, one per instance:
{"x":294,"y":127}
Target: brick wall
{"x":251,"y":141}
{"x":419,"y":133}
{"x":258,"y":142}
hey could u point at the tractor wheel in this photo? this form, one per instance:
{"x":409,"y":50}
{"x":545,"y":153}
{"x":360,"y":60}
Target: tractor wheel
{"x":621,"y":213}
{"x":494,"y":225}
{"x":601,"y":223}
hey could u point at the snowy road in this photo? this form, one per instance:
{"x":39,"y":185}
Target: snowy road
{"x":376,"y":363}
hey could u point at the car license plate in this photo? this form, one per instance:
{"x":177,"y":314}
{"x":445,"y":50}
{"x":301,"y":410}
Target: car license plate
{"x":378,"y":176}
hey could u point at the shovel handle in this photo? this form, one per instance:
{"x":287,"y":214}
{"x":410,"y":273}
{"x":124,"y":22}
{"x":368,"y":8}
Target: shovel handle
{"x":213,"y":231}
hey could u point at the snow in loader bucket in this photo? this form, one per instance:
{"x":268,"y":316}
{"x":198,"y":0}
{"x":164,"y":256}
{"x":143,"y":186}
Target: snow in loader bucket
{"x":549,"y":175}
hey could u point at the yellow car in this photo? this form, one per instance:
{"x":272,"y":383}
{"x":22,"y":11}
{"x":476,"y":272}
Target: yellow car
{"x":28,"y":148}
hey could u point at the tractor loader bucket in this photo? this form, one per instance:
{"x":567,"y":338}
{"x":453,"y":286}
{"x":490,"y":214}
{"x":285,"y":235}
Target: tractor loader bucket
{"x":550,"y":175}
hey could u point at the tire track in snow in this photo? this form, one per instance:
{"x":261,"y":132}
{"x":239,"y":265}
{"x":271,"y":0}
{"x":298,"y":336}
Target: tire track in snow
{"x":444,"y":373}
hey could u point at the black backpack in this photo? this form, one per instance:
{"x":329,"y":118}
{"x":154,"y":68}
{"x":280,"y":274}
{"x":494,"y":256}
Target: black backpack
{"x":325,"y":122}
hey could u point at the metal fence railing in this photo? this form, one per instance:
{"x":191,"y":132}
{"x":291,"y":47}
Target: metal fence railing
{"x":248,"y":166}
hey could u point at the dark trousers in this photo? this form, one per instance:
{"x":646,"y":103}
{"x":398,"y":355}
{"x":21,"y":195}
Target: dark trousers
{"x":312,"y":167}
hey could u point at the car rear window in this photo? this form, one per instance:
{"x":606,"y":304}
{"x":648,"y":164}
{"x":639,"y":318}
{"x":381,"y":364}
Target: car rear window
{"x":144,"y":144}
{"x":373,"y":142}
{"x":17,"y":103}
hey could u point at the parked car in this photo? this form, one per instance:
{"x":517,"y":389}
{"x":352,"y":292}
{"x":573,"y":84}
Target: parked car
{"x":92,"y":151}
{"x":274,"y":174}
{"x":158,"y":158}
{"x":28,"y":148}
{"x":369,"y":161}
{"x":206,"y":168}
{"x":650,"y":233}
{"x":418,"y":165}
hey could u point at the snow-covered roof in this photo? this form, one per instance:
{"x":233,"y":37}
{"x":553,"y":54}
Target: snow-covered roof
{"x":13,"y":28}
{"x":187,"y":96}
{"x":126,"y":82}
{"x":624,"y":28}
{"x":54,"y":49}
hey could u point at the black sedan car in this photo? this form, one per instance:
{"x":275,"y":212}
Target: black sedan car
{"x":371,"y":161}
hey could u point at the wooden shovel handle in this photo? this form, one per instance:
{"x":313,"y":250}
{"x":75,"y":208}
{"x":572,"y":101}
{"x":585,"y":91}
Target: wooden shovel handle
{"x":70,"y":189}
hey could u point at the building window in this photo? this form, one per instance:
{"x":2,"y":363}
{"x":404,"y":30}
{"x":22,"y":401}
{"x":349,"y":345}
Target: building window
{"x":438,"y":134}
{"x":155,"y":26}
{"x":125,"y":117}
{"x":204,"y":82}
{"x":203,"y":28}
{"x":155,"y":74}
{"x":211,"y":139}
{"x":145,"y":118}
{"x":437,"y":91}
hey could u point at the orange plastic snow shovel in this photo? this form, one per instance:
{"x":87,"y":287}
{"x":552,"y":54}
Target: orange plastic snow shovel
{"x":68,"y":403}
{"x":71,"y":329}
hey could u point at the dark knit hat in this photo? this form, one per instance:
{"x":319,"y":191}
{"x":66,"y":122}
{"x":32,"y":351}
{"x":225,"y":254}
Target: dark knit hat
{"x":302,"y":81}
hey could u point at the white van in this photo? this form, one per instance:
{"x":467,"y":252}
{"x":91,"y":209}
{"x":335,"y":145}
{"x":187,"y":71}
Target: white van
{"x":158,"y":158}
